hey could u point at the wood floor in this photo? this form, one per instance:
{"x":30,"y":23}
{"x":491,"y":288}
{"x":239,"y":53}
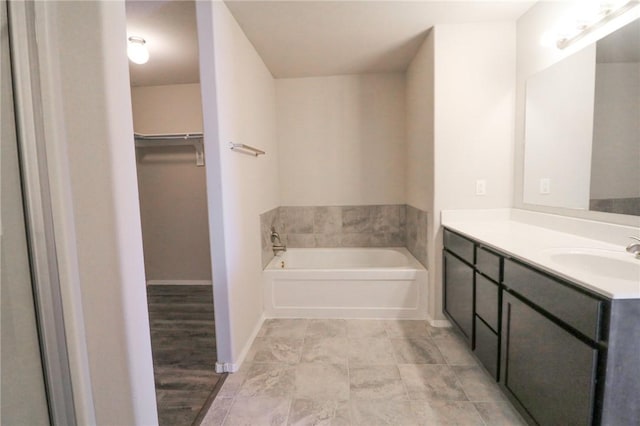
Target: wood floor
{"x":184,"y":350}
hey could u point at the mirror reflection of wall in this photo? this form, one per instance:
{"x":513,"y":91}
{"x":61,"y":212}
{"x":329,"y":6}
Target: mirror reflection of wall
{"x":615,"y":164}
{"x":582,"y":128}
{"x":559,"y":117}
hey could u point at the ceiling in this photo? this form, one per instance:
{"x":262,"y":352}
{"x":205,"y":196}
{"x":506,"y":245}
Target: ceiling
{"x":305,"y":38}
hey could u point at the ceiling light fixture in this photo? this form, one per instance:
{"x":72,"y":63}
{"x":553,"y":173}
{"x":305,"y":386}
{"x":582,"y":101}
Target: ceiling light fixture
{"x":137,"y":51}
{"x":592,"y":19}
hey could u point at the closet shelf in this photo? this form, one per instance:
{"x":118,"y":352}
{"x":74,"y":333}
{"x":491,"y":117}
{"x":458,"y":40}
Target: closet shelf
{"x":173,"y":139}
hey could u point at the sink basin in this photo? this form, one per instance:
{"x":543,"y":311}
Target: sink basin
{"x":604,"y":263}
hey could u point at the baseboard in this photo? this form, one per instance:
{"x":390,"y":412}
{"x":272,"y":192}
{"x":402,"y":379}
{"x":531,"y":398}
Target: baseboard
{"x":232,"y":367}
{"x":438,"y":323}
{"x":179,"y":282}
{"x":226,"y":367}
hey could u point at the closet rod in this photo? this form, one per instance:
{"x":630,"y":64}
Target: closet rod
{"x":173,"y":139}
{"x":165,"y":136}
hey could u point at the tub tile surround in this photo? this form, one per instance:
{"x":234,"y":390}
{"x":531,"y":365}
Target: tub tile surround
{"x":388,"y":225}
{"x":344,"y":226}
{"x":629,"y":206}
{"x":423,"y":382}
{"x":416,"y":234}
{"x":268,"y":220}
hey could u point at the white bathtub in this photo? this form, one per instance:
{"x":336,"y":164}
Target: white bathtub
{"x":345,"y":283}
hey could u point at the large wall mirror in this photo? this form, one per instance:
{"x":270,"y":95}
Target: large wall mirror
{"x":582,"y":128}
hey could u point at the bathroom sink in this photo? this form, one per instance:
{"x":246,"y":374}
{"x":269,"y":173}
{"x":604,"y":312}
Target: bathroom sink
{"x":604,"y":263}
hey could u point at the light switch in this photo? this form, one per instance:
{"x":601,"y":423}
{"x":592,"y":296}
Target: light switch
{"x":545,"y":186}
{"x":481,"y":187}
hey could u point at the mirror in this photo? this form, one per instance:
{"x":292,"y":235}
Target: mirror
{"x":582,"y":128}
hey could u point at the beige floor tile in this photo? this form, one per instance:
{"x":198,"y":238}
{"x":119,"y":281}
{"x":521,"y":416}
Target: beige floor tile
{"x":263,"y":411}
{"x":329,"y":350}
{"x":454,"y":350}
{"x":233,"y":382}
{"x":441,"y":413}
{"x":273,"y":380}
{"x":405,"y":329}
{"x":217,"y":412}
{"x":365,"y":328}
{"x":369,"y":413}
{"x":359,"y":372}
{"x":306,"y":412}
{"x":431,"y":382}
{"x":318,"y":381}
{"x":294,"y":328}
{"x":376,"y":382}
{"x":477,"y":384}
{"x":416,"y":351}
{"x":370,"y":351}
{"x":275,"y":349}
{"x":323,"y":328}
{"x":499,"y":413}
{"x":440,"y":331}
{"x":342,"y":416}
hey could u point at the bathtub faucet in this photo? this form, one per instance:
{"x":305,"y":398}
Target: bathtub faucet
{"x":634,"y":248}
{"x":275,"y":237}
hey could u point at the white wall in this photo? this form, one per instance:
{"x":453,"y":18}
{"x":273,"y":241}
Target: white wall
{"x":420,"y":149}
{"x":559,"y":131}
{"x":615,"y":132}
{"x":419,"y":127}
{"x":534,"y":56}
{"x":238,"y":105}
{"x":173,"y":195}
{"x":341,"y":140}
{"x":90,"y":155}
{"x":173,"y":108}
{"x":473,"y":127}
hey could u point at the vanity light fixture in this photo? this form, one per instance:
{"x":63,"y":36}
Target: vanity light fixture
{"x":137,"y":51}
{"x":589,"y":22}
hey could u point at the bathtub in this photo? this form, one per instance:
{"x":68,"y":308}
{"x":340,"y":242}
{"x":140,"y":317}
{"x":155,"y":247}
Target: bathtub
{"x":345,"y":283}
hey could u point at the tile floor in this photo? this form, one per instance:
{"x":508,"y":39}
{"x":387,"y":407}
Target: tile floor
{"x":359,"y":372}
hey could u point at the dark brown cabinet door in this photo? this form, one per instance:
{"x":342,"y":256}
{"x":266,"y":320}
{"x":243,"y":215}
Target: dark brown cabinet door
{"x":458,"y":288}
{"x":547,"y":369}
{"x":486,"y":347}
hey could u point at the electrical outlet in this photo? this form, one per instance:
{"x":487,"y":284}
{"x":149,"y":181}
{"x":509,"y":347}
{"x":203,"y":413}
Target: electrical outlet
{"x":545,"y":186}
{"x":481,"y":187}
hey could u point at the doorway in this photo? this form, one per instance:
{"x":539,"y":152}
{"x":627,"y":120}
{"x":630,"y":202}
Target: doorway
{"x":167,"y":118}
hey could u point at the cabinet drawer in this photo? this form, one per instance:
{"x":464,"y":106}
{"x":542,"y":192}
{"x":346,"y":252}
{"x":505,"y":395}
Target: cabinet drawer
{"x":488,"y":263}
{"x":577,"y":309}
{"x":486,"y":348}
{"x":487,"y":301}
{"x":459,"y":245}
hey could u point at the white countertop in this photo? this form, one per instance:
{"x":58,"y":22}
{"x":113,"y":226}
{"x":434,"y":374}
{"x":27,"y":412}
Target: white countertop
{"x":507,"y":232}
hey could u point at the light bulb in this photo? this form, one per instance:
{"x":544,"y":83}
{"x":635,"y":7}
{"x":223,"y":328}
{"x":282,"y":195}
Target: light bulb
{"x":137,"y":51}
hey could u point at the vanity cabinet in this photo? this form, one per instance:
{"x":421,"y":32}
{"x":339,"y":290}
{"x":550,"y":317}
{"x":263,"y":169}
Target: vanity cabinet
{"x":562,"y":354}
{"x":548,"y":370}
{"x":472,"y":297}
{"x":551,"y":346}
{"x":486,"y":322}
{"x":459,"y":257}
{"x":458,"y":300}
